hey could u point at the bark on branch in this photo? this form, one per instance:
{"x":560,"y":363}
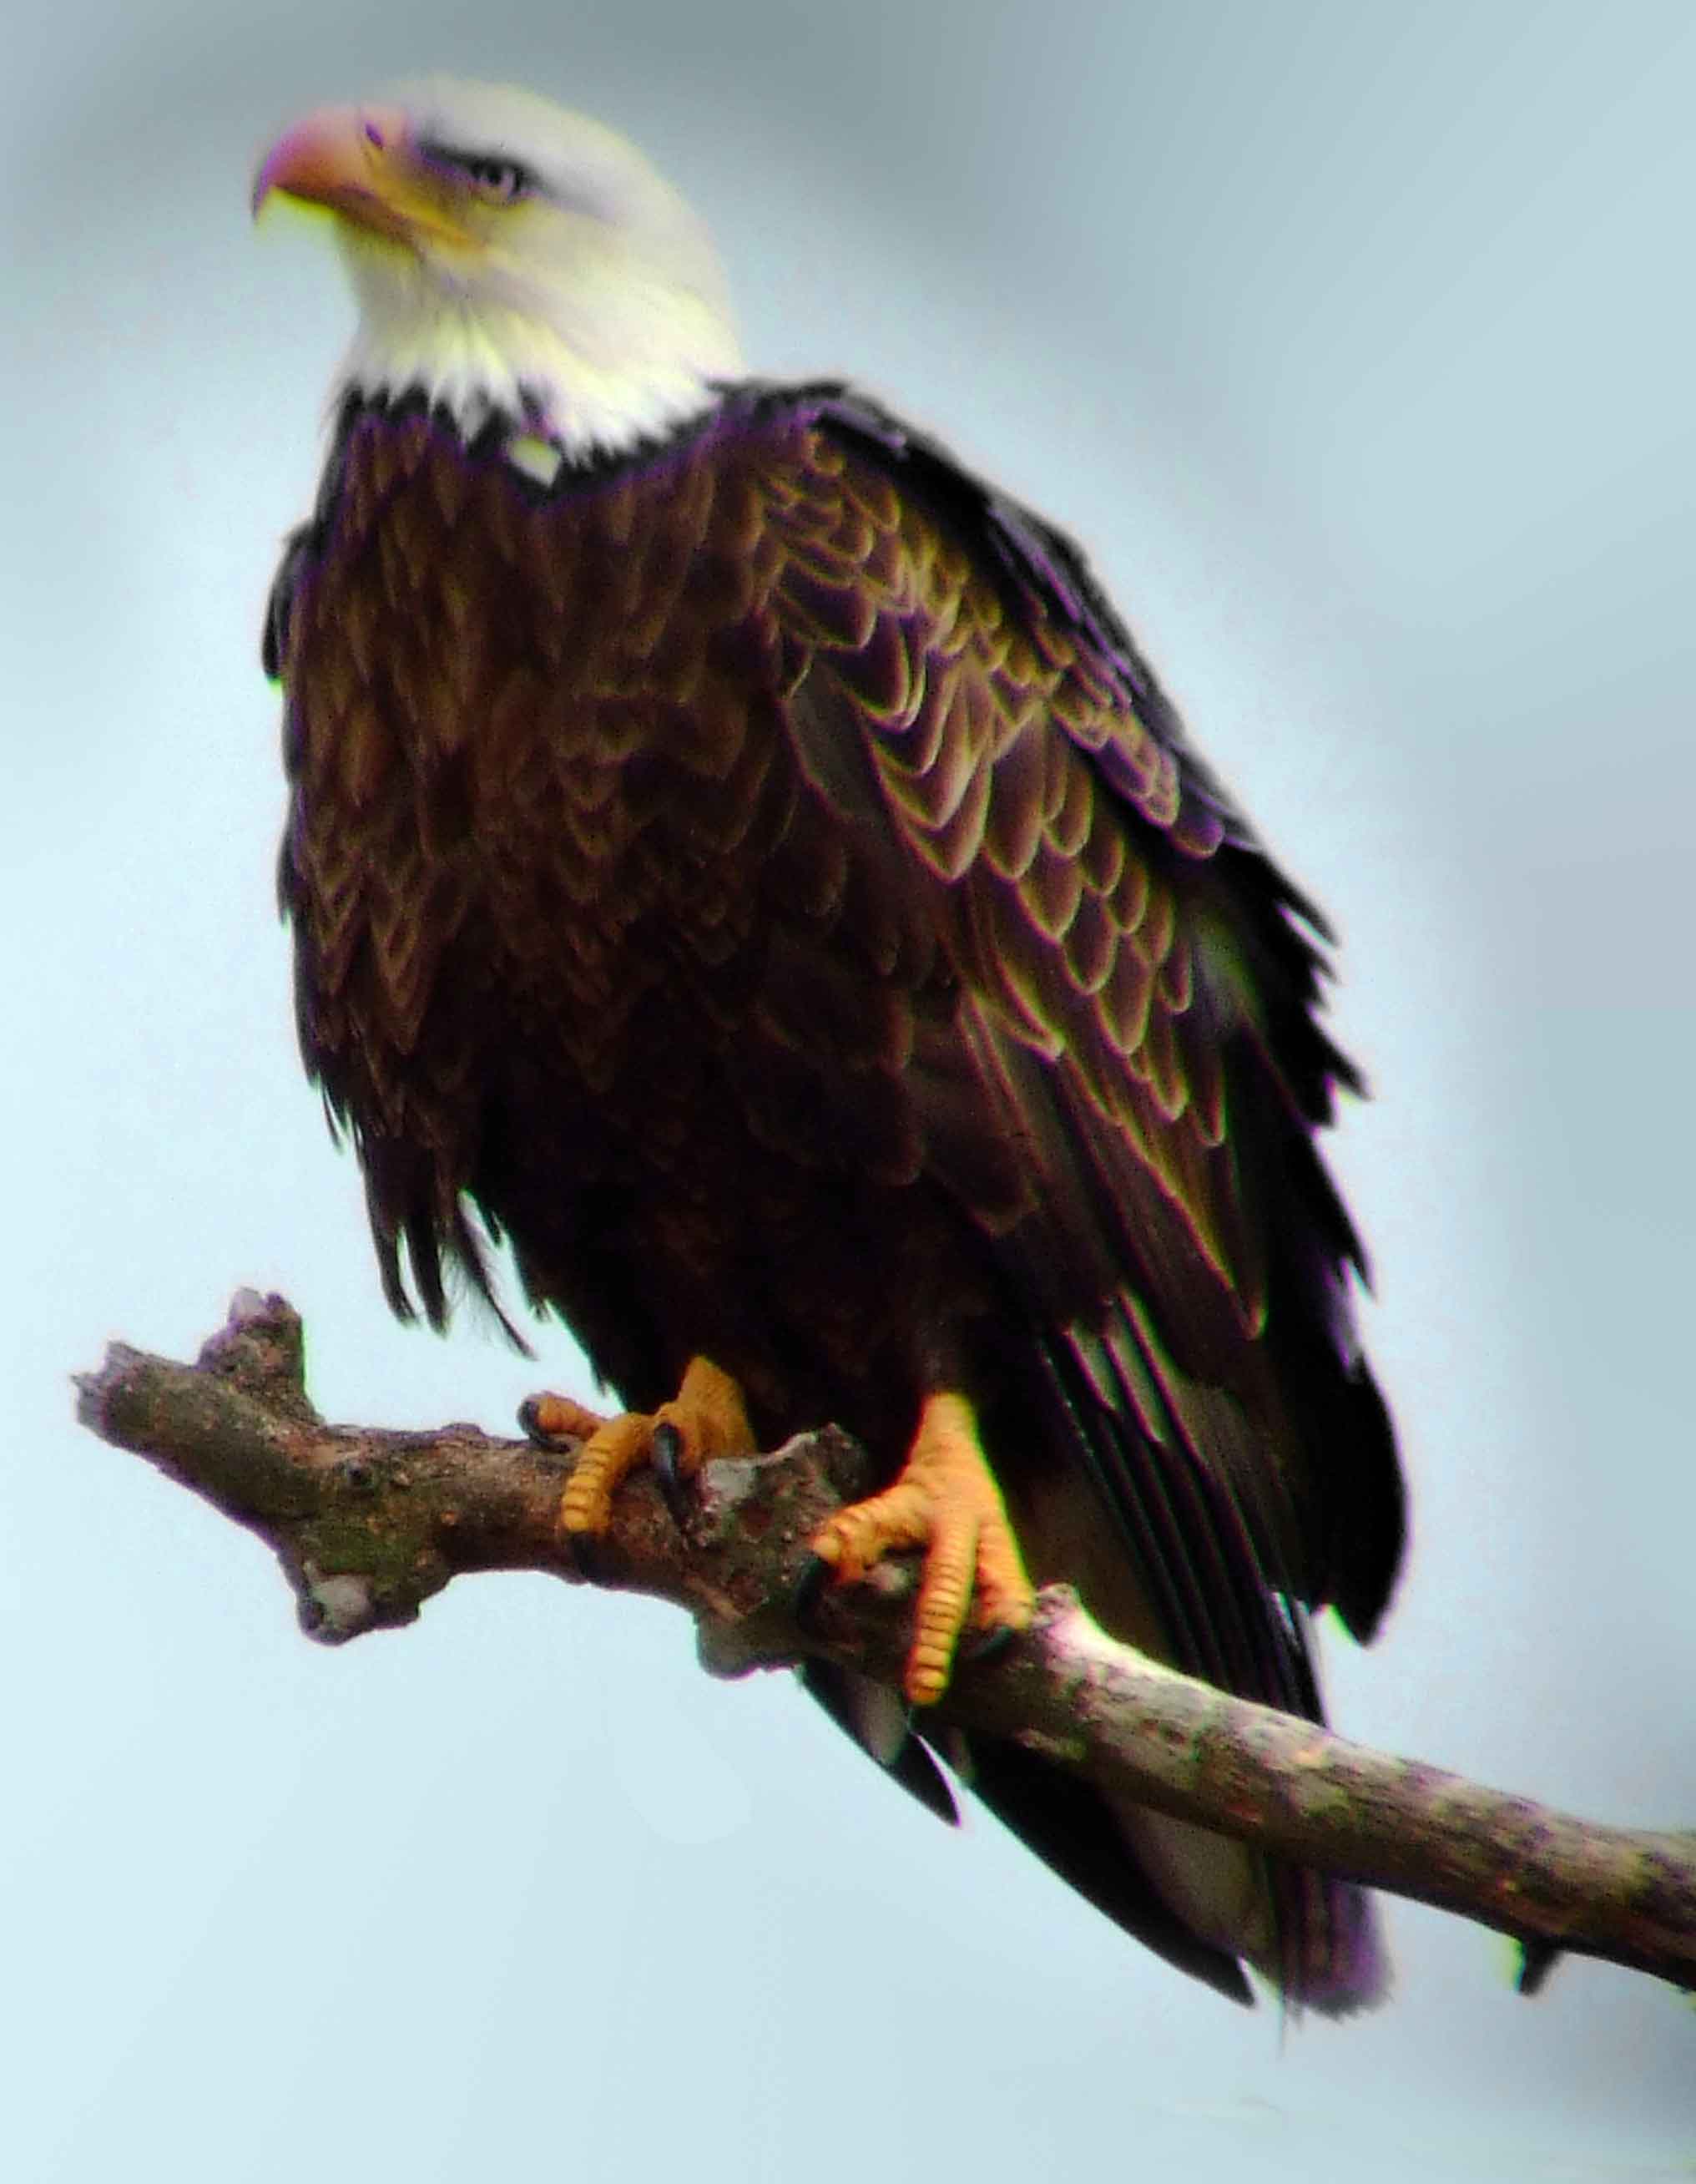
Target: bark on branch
{"x":367,"y":1524}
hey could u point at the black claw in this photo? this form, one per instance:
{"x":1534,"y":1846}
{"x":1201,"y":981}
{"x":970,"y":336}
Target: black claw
{"x":586,"y":1553}
{"x":989,"y":1644}
{"x":667,"y":1457}
{"x":530,"y":1421}
{"x":809,"y":1589}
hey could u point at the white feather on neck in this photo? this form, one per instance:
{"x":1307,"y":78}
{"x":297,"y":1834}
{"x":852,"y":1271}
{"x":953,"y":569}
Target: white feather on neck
{"x":607,"y":366}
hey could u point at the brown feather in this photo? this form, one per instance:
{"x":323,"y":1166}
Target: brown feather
{"x":762,"y":879}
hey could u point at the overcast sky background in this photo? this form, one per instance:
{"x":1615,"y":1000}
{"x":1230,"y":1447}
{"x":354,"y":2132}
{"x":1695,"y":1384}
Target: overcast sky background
{"x":1356,"y":342}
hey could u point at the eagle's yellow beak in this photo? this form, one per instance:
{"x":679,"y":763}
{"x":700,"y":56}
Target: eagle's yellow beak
{"x":360,"y":163}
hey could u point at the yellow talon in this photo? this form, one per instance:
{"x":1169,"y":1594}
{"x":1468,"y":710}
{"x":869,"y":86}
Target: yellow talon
{"x":560,"y":1417}
{"x":708,"y":1413}
{"x":947,"y":1502}
{"x":611,"y":1452}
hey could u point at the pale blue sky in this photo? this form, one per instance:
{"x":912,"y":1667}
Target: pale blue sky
{"x":1356,"y":342}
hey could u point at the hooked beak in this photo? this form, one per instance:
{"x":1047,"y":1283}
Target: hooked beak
{"x":358,"y":163}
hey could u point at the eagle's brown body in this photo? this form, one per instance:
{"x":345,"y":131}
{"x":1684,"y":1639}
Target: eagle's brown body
{"x":761,"y":877}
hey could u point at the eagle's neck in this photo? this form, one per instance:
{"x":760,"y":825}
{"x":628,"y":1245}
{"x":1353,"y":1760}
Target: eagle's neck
{"x":594,"y":381}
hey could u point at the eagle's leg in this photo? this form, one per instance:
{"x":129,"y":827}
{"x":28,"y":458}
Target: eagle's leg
{"x":706,"y":1418}
{"x":946,"y":1501}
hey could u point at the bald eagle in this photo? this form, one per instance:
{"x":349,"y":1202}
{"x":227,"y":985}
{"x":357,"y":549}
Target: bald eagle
{"x":743,"y":860}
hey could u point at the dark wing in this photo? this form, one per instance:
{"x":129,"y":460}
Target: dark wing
{"x":1138,"y":994}
{"x":1140,"y":983}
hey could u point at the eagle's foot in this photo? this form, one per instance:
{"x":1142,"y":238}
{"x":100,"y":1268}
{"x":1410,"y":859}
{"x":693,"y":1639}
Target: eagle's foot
{"x":706,"y":1418}
{"x":946,"y":1501}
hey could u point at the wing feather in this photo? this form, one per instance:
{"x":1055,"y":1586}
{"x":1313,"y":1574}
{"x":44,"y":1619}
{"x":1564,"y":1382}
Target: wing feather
{"x":1108,"y":910}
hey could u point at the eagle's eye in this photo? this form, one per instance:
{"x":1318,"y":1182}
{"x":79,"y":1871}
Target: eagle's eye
{"x":499,"y":181}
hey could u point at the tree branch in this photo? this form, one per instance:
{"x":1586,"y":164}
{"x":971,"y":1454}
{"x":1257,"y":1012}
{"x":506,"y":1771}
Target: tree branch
{"x":367,"y":1524}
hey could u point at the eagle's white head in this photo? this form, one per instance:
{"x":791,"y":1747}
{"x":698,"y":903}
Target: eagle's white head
{"x":512,"y":260}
